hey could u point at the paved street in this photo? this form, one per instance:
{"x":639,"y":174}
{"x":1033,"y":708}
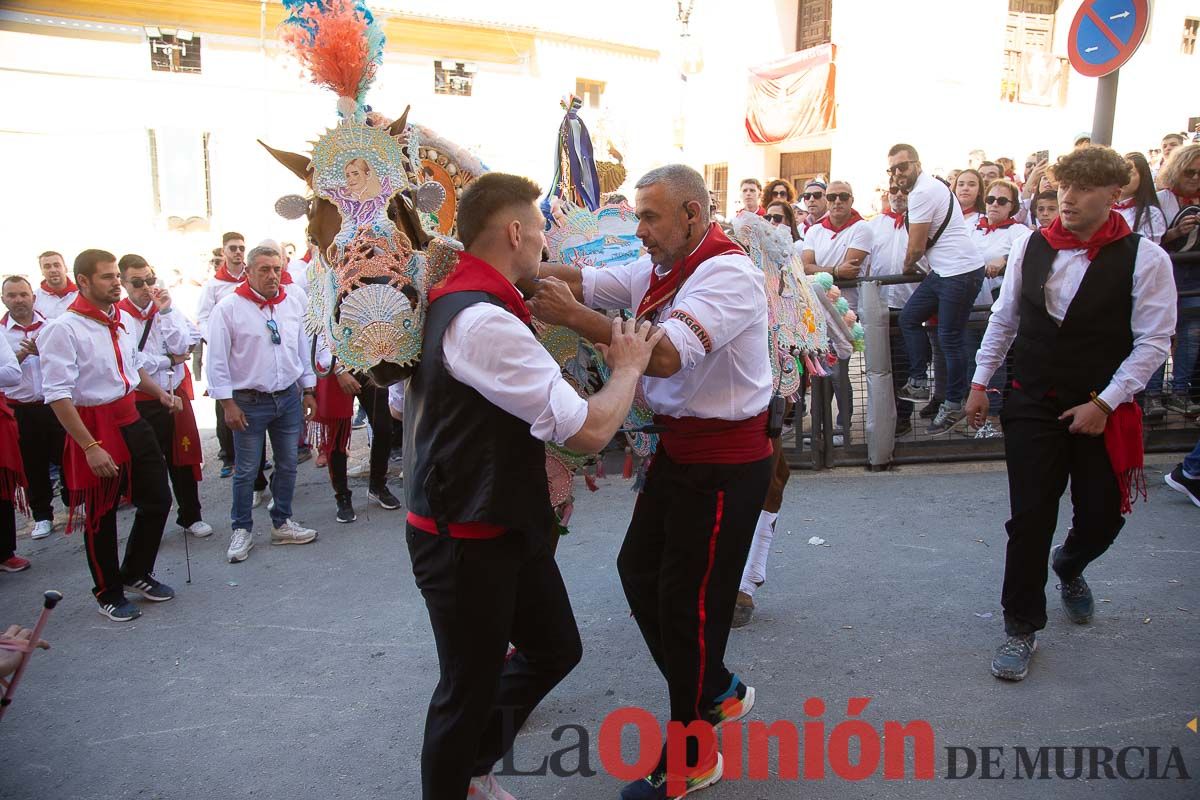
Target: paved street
{"x":304,"y":672}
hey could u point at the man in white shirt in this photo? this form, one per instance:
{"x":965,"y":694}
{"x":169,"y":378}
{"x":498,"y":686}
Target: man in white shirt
{"x":752,"y":196}
{"x":816,"y":205}
{"x":228,"y":276}
{"x":937,"y":233}
{"x":1088,"y":308}
{"x":709,"y":384}
{"x":259,"y":370}
{"x":41,"y":435}
{"x":57,"y":290}
{"x":12,"y":470}
{"x":165,"y":340}
{"x":90,"y":371}
{"x":481,"y":405}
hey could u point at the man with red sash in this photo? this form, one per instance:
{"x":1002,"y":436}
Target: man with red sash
{"x":12,"y":471}
{"x":41,"y":435}
{"x":479,"y":408}
{"x":1088,"y":308}
{"x":228,"y":276}
{"x":165,"y":339}
{"x":91,"y":369}
{"x":57,"y":291}
{"x":709,"y":385}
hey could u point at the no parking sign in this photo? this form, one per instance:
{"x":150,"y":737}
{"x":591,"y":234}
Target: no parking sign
{"x":1105,"y":33}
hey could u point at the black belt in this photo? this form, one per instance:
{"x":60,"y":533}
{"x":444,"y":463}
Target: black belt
{"x":257,"y":393}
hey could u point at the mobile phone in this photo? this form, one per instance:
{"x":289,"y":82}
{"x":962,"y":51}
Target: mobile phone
{"x":1042,"y":155}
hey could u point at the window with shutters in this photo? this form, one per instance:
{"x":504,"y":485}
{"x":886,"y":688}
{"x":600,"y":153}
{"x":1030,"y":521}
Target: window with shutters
{"x":1191,"y":28}
{"x":717,"y":178}
{"x":1032,"y":73}
{"x":590,"y":92}
{"x":813,"y":26}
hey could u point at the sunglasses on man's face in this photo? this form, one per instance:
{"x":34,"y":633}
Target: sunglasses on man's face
{"x":813,"y":195}
{"x":237,"y":248}
{"x":997,"y":201}
{"x":897,"y":190}
{"x":273,"y":327}
{"x":903,"y":166}
{"x":845,"y":197}
{"x":138,"y":283}
{"x":778,"y":219}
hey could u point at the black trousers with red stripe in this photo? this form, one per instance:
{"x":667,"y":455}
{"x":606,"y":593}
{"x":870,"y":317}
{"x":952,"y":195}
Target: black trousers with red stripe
{"x":681,"y":564}
{"x":152,"y":499}
{"x":41,"y":438}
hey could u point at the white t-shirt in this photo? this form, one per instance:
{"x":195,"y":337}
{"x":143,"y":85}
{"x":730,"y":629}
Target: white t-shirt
{"x":1154,"y":222}
{"x":829,"y":248}
{"x":889,"y":246}
{"x":993,"y":245}
{"x":954,"y":253}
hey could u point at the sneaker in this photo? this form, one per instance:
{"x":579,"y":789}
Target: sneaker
{"x":397,"y":455}
{"x":360,"y":420}
{"x":1190,"y":487}
{"x":654,"y":785}
{"x":123,"y":611}
{"x":383,"y":495}
{"x":303,"y":454}
{"x":731,"y":706}
{"x":259,"y":496}
{"x":1076,"y":596}
{"x":14,"y":563}
{"x":743,"y":610}
{"x":486,"y":787}
{"x":240,"y":545}
{"x":915,"y":389}
{"x":1182,"y":405}
{"x":903,"y":425}
{"x":839,"y":440}
{"x":949,"y":416}
{"x":199,"y":529}
{"x":292,"y":533}
{"x":271,"y":505}
{"x":226,"y":469}
{"x":1155,"y":411}
{"x":151,"y":589}
{"x":42,"y":528}
{"x":345,"y":509}
{"x":931,"y":408}
{"x":359,"y":469}
{"x":1011,"y":662}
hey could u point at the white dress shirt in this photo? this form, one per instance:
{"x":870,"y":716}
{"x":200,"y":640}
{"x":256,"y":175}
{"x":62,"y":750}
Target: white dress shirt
{"x":80,"y":362}
{"x":170,"y":334}
{"x":889,"y":248}
{"x":718,"y":324}
{"x":994,"y":245}
{"x":1154,"y":222}
{"x":10,"y":370}
{"x":1152,"y":320}
{"x":490,"y":350}
{"x":29,"y":387}
{"x":52,"y":306}
{"x":241,"y":354}
{"x":214,"y":291}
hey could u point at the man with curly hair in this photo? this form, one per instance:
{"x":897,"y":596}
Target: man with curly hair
{"x":1088,"y":308}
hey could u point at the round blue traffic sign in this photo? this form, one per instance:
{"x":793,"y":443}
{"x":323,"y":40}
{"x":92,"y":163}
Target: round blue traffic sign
{"x":1105,"y":33}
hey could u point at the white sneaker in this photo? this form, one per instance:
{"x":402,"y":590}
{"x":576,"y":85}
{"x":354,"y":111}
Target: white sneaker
{"x":240,"y":545}
{"x":359,"y":469}
{"x":42,"y":528}
{"x":292,"y":533}
{"x":271,"y":505}
{"x":259,"y":497}
{"x":199,"y":529}
{"x":487,"y":788}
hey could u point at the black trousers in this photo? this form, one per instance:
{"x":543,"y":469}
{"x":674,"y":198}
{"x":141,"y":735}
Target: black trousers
{"x":8,"y":530}
{"x":183,"y":481}
{"x":1041,"y":456}
{"x":904,"y":408}
{"x":481,"y":595}
{"x":224,"y":436}
{"x":41,"y":439}
{"x":374,"y":402}
{"x":681,"y":565}
{"x":152,"y":499}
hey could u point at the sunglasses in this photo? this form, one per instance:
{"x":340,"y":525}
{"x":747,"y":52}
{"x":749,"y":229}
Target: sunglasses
{"x":813,"y":195}
{"x":996,"y":201}
{"x":1191,"y":173}
{"x":778,"y":219}
{"x":845,"y":197}
{"x":237,"y":248}
{"x":138,"y":283}
{"x":273,"y":327}
{"x":897,"y":190}
{"x":780,"y":192}
{"x":898,"y":168}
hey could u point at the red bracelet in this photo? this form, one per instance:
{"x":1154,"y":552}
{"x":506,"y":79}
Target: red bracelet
{"x":978,"y":387}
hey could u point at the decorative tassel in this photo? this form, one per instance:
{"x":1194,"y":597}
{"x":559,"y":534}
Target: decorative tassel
{"x":600,"y":467}
{"x":591,"y":483}
{"x":627,"y":470}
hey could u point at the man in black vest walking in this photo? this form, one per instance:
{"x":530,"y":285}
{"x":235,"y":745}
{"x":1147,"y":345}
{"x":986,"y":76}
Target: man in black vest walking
{"x":1088,"y":308}
{"x":478,"y":410}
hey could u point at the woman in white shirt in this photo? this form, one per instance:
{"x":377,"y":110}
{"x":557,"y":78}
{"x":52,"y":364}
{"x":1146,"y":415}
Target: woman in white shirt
{"x":968,"y":188}
{"x":782,"y":214}
{"x":1139,"y":202}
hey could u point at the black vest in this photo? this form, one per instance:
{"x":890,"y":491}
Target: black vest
{"x":1081,"y":355}
{"x":465,"y":459}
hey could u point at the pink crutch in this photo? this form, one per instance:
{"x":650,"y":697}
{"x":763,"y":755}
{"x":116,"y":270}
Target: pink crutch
{"x":25,"y":648}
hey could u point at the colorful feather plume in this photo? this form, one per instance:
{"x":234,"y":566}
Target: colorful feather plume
{"x":340,"y":43}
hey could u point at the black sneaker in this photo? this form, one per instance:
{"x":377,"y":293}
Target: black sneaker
{"x":151,"y":589}
{"x":1189,"y":487}
{"x":383,"y":495}
{"x":397,"y":456}
{"x":931,"y":408}
{"x":731,"y":706}
{"x":123,"y":611}
{"x":345,"y":509}
{"x":1011,"y":662}
{"x":903,"y":425}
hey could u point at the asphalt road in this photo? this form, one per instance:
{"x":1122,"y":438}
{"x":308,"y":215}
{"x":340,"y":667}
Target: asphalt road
{"x":304,"y":672}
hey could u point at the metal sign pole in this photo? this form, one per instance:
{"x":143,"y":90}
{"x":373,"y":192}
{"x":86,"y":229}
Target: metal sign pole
{"x":1106,"y":108}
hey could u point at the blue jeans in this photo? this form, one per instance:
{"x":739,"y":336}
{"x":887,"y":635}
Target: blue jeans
{"x":1187,"y":348}
{"x":951,"y":299}
{"x":281,"y":416}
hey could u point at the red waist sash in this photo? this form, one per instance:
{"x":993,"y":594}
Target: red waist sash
{"x":692,"y":440}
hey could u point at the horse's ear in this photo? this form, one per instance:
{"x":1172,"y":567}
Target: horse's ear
{"x":298,"y":165}
{"x":397,"y":127}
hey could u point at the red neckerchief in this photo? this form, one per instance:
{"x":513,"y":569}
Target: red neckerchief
{"x":473,"y":274}
{"x":664,"y":287}
{"x":988,"y":227}
{"x":1187,"y":200}
{"x":1058,"y":237}
{"x":1124,"y":204}
{"x":60,"y":293}
{"x":127,"y":305}
{"x":762,"y":212}
{"x":244,"y":290}
{"x":286,"y":279}
{"x":897,"y":219}
{"x":826,"y":222}
{"x":86,"y":308}
{"x":222,"y":274}
{"x":33,"y":326}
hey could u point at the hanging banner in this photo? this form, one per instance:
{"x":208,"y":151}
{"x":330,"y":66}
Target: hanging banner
{"x":792,"y":97}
